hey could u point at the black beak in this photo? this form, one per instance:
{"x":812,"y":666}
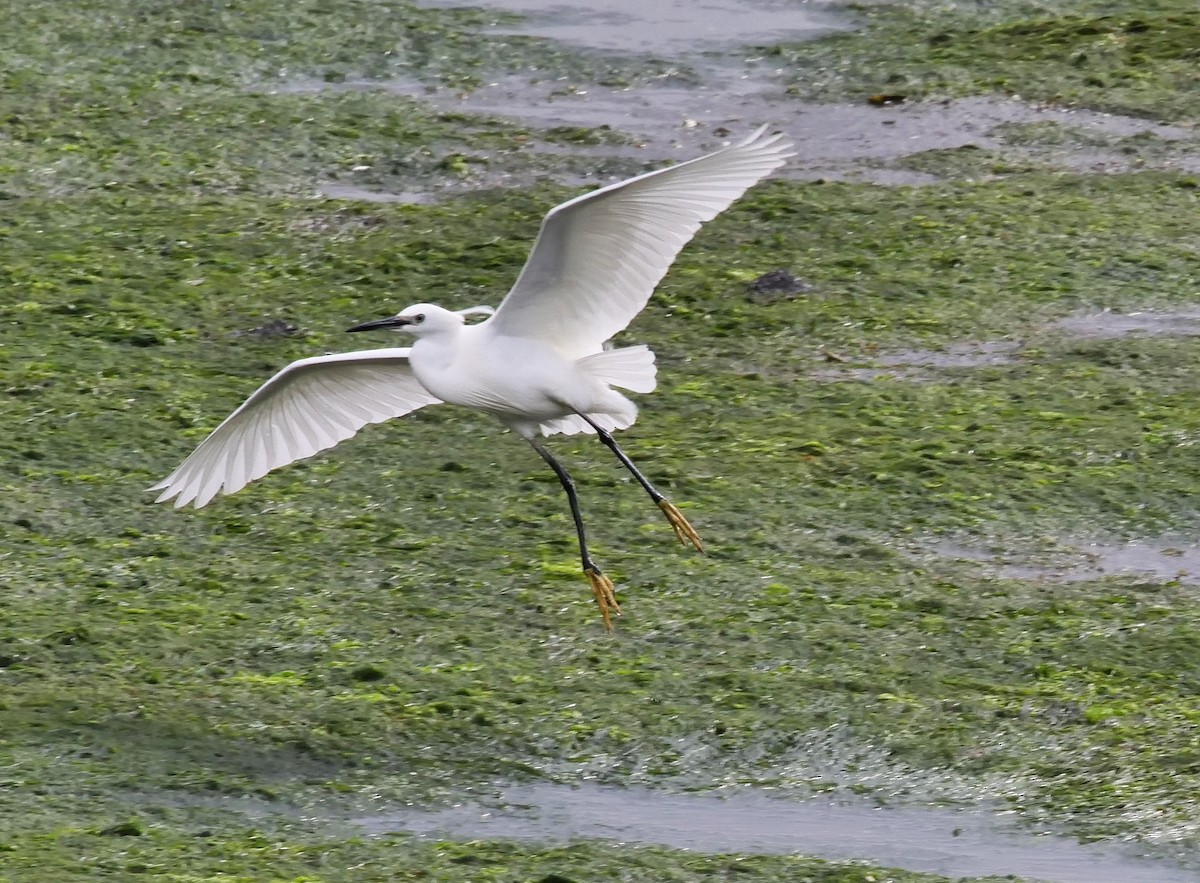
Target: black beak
{"x":390,"y":322}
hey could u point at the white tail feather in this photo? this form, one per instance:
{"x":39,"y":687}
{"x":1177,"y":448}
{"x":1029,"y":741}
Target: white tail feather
{"x":630,"y":367}
{"x":573,"y":424}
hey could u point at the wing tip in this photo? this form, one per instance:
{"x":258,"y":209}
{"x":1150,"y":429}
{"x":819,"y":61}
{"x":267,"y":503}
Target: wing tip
{"x":168,"y":493}
{"x":753,"y":136}
{"x":776,"y":143}
{"x":175,"y":494}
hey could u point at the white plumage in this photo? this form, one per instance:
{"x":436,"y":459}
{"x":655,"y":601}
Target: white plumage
{"x":309,"y":406}
{"x":539,"y":364}
{"x":598,"y":257}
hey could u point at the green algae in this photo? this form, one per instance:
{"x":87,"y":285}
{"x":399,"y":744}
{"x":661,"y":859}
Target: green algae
{"x":224,"y":650}
{"x":1102,"y":56}
{"x":402,"y":619}
{"x":258,"y":856}
{"x":254,"y":97}
{"x":968,"y":162}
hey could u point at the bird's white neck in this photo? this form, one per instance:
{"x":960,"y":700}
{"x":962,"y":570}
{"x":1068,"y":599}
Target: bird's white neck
{"x":436,"y":348}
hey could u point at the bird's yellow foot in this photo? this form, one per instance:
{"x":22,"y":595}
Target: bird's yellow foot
{"x":683,"y":530}
{"x":606,"y":598}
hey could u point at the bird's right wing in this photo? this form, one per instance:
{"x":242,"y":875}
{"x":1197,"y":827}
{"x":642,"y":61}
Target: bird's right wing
{"x":599,"y":256}
{"x":309,"y":406}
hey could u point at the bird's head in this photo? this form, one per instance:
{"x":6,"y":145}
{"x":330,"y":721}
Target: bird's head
{"x":418,"y":320}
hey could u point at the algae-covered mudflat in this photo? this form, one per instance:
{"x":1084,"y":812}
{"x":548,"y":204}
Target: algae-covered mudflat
{"x":948,"y":479}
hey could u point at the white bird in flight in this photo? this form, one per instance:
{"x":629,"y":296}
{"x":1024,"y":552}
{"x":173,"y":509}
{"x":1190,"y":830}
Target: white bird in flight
{"x":539,"y":363}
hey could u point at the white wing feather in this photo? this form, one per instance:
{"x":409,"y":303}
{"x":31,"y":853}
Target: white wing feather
{"x":599,"y":256}
{"x":309,"y":406}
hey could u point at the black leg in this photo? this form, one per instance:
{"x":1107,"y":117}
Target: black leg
{"x":569,"y":486}
{"x":683,"y":530}
{"x":602,"y":586}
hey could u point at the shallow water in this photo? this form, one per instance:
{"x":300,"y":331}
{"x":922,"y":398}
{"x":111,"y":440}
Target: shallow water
{"x":664,"y":27}
{"x":735,"y":89}
{"x":1166,"y":559}
{"x":919,"y":365}
{"x":338,"y":190}
{"x":944,"y":841}
{"x":672,"y":121}
{"x":1183,"y":323}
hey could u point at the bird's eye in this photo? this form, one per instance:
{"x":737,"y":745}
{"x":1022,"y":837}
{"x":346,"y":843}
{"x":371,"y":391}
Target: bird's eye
{"x":418,"y":318}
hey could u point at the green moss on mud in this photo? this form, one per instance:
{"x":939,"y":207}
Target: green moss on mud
{"x":217,"y":651}
{"x":252,"y":97}
{"x":258,"y":856}
{"x":401,"y":619}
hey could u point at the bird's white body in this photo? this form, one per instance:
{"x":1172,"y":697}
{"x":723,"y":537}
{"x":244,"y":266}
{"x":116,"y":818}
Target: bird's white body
{"x":528,"y":384}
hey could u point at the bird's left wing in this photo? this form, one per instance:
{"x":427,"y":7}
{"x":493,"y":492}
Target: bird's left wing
{"x":599,"y":256}
{"x":309,"y":406}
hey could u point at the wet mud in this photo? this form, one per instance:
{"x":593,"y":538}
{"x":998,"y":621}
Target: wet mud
{"x":668,"y":27}
{"x":1166,"y":559}
{"x":720,"y":90}
{"x":933,"y":365}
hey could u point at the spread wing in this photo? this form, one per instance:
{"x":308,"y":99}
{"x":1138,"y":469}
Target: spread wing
{"x":307,"y":407}
{"x":599,"y":256}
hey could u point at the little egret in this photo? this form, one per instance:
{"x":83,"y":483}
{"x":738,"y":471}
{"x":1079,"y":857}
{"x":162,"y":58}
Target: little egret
{"x":540,"y":362}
